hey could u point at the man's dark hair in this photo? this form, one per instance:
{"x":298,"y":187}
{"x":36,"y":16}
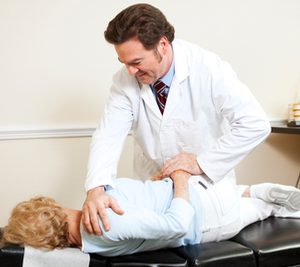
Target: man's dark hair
{"x":142,"y":21}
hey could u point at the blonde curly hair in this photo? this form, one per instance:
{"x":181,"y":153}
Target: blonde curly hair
{"x":39,"y":222}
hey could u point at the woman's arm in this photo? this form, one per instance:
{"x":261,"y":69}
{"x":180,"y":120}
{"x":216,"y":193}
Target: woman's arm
{"x":180,"y":181}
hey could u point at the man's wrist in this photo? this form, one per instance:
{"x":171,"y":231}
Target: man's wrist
{"x":100,"y":189}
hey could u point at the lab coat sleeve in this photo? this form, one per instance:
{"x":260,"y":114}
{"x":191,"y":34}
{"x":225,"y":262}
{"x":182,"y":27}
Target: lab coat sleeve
{"x":142,"y":223}
{"x":109,"y":137}
{"x":248,"y":124}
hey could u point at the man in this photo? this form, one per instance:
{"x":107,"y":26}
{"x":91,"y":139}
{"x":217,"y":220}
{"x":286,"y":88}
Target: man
{"x":184,"y":107}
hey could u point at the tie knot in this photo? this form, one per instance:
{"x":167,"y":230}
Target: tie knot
{"x":159,"y":86}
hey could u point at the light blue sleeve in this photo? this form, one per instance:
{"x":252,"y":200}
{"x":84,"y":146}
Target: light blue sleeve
{"x":142,"y":223}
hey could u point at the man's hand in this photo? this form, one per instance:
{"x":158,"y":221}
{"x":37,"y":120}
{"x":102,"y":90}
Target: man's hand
{"x":183,"y":161}
{"x":96,"y":203}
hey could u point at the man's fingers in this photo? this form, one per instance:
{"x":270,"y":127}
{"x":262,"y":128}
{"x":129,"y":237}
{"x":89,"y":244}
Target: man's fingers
{"x":104,"y":218}
{"x":167,"y":165}
{"x":115,"y":207}
{"x":86,"y":221}
{"x":94,"y":222}
{"x":94,"y":209}
{"x":170,"y":170}
{"x":182,"y":161}
{"x":112,"y":203}
{"x":90,"y":220}
{"x":170,"y":166}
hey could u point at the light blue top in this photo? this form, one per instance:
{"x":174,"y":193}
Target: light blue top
{"x":152,"y":219}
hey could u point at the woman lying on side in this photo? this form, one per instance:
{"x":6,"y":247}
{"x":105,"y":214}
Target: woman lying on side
{"x":175,"y":211}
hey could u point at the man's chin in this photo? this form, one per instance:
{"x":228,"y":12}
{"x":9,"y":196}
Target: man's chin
{"x":144,"y":80}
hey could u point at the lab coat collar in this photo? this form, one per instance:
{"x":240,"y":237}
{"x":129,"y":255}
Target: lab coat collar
{"x":181,"y":73}
{"x":181,"y":64}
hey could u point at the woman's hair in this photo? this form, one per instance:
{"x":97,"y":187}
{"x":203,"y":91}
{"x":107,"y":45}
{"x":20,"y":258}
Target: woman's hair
{"x":141,"y":21}
{"x":39,"y":222}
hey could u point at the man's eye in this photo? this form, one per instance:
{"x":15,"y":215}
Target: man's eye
{"x":134,"y":64}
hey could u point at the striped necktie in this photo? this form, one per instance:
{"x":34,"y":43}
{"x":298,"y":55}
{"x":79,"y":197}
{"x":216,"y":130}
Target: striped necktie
{"x":161,"y":96}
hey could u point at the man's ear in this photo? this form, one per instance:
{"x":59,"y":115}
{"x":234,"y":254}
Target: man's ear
{"x":164,"y":44}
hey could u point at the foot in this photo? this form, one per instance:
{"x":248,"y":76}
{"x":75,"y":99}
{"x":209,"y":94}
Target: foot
{"x":286,"y":196}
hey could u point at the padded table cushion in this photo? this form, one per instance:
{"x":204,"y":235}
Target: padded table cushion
{"x":158,"y":258}
{"x":11,"y":256}
{"x":275,"y":241}
{"x":215,"y":254}
{"x":225,"y":253}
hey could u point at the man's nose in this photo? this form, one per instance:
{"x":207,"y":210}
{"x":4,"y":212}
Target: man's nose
{"x":132,"y":70}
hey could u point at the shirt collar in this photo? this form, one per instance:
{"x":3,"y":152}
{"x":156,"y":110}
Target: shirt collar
{"x":167,"y":79}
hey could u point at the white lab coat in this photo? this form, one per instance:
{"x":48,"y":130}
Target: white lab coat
{"x":209,"y":112}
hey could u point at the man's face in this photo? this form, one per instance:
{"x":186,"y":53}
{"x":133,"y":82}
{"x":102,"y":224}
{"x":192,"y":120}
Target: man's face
{"x":146,"y":65}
